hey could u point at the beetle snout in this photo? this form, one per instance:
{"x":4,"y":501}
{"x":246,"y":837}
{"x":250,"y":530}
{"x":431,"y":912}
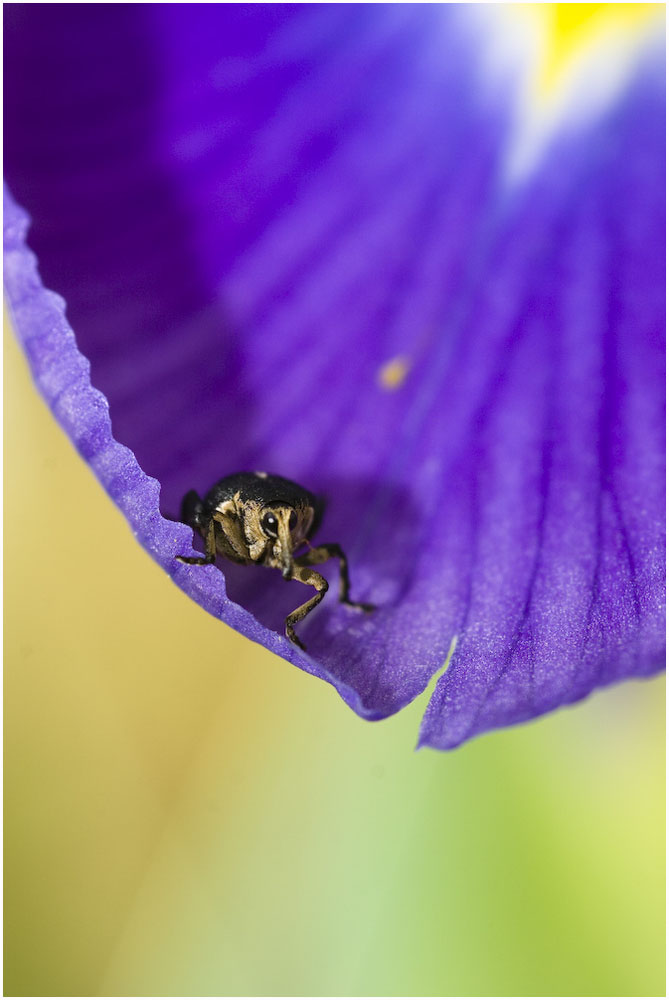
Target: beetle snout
{"x":287,"y":561}
{"x":285,"y":549}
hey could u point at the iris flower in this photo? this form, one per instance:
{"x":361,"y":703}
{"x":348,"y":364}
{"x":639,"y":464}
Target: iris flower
{"x":403,"y":255}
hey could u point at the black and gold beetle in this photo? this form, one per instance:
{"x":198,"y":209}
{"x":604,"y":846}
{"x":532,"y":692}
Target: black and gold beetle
{"x":252,"y":517}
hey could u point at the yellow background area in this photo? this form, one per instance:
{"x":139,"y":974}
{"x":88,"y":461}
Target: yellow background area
{"x":187,"y":814}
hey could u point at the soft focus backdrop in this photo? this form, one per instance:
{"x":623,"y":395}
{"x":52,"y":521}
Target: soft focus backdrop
{"x":187,"y":814}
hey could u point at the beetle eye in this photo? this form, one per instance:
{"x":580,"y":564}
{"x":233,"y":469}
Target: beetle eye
{"x":292,"y":520}
{"x":270,"y":524}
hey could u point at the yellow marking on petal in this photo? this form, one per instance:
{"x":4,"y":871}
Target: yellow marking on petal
{"x":393,"y":373}
{"x":573,"y":28}
{"x":574,"y":60}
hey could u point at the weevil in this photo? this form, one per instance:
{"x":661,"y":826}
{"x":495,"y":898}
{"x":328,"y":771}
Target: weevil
{"x":253,"y":517}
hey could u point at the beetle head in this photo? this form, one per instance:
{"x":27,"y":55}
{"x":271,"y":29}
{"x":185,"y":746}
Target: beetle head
{"x":286,"y":527}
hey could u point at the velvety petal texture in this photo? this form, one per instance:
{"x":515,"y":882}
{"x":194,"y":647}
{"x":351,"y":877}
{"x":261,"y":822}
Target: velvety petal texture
{"x":286,"y":240}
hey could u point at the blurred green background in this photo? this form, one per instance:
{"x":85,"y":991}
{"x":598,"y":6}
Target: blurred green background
{"x":187,"y":814}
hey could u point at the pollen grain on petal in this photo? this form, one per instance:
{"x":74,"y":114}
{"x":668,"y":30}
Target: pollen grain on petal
{"x":392,"y":374}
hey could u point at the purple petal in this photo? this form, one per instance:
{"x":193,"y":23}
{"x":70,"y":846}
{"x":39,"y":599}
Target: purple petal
{"x":250,"y":212}
{"x":564,"y":467}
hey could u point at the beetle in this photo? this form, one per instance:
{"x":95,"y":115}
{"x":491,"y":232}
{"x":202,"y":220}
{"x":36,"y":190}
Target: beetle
{"x":254,"y":517}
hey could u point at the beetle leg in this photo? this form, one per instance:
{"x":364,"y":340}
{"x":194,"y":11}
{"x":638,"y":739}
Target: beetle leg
{"x":312,"y":579}
{"x":210,"y":549}
{"x":320,"y":555}
{"x":233,"y":540}
{"x":192,"y":511}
